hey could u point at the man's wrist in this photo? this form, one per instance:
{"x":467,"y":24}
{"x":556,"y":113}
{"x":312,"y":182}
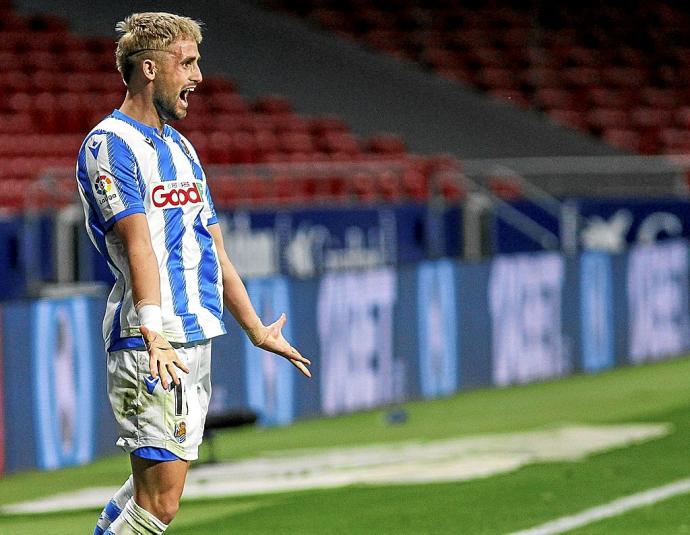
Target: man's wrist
{"x":257,"y":333}
{"x":151,"y":317}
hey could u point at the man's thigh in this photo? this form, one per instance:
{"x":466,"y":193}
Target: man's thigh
{"x":156,"y":479}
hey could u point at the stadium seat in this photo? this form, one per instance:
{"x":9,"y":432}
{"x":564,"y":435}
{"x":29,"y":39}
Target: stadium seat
{"x":602,"y":62}
{"x":626,"y":139}
{"x":273,"y":105}
{"x":60,"y":84}
{"x":386,"y":144}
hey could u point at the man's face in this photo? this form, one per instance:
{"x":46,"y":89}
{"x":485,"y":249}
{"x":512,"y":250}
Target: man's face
{"x":177,"y":73}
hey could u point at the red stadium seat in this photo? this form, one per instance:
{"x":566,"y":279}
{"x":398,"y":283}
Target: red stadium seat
{"x":289,"y":189}
{"x":341,"y":143}
{"x":682,"y":117}
{"x":13,"y":192}
{"x":505,"y":187}
{"x":438,"y":58}
{"x":58,"y":85}
{"x":386,"y":144}
{"x":648,"y":117}
{"x":602,"y":118}
{"x":267,"y":143}
{"x":570,"y":118}
{"x":602,"y":97}
{"x":273,"y":105}
{"x":654,"y":97}
{"x":619,"y":65}
{"x":415,"y":185}
{"x":292,"y":142}
{"x":624,"y":77}
{"x":389,"y":186}
{"x":327,"y":123}
{"x":555,"y":98}
{"x":290,"y":122}
{"x":364,"y":187}
{"x":15,"y":123}
{"x":542,"y":77}
{"x":451,"y":189}
{"x":626,"y":139}
{"x":496,"y":78}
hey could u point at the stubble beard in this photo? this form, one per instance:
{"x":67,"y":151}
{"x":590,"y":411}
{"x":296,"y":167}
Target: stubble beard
{"x":166,"y":106}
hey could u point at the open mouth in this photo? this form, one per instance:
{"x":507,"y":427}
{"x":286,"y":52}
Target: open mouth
{"x":184,"y":94}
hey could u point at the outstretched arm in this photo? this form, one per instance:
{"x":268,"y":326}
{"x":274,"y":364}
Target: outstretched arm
{"x":237,"y":301}
{"x":133,"y":230}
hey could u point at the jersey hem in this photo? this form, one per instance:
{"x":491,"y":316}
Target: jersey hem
{"x":128,"y":341}
{"x":124,"y":213}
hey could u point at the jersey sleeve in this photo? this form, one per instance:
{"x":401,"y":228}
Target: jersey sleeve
{"x":112,"y":173}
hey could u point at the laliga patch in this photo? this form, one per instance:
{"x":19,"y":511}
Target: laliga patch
{"x":181,"y":431}
{"x":176,"y":193}
{"x":104,"y":189}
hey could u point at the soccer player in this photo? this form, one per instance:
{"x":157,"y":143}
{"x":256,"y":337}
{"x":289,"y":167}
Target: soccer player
{"x":150,"y":214}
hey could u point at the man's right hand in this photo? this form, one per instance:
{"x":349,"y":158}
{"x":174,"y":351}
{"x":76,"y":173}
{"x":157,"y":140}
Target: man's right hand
{"x":162,"y":357}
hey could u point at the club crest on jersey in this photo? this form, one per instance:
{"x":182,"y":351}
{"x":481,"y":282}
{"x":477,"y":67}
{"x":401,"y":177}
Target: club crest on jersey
{"x":186,"y":149}
{"x":176,"y":193}
{"x":181,"y":431}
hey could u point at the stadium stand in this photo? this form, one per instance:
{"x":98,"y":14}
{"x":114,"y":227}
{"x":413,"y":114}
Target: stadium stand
{"x":57,"y":85}
{"x":607,"y":70}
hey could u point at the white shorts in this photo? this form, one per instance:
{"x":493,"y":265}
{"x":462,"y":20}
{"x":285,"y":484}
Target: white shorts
{"x":148,"y":415}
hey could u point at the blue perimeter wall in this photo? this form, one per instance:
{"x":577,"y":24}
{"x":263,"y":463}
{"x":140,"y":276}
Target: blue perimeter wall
{"x":376,"y":337}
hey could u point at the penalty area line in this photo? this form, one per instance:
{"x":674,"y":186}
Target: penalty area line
{"x":611,"y":509}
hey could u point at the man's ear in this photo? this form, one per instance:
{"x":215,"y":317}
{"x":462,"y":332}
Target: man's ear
{"x":148,"y":67}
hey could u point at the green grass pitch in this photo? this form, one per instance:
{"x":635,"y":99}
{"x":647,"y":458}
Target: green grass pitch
{"x":499,"y":504}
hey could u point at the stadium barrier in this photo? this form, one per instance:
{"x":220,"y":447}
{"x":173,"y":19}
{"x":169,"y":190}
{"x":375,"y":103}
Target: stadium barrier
{"x":308,"y":241}
{"x":377,"y":337}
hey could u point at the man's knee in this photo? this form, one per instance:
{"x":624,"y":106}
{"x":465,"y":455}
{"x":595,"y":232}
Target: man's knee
{"x":167,"y":508}
{"x":163,"y":506}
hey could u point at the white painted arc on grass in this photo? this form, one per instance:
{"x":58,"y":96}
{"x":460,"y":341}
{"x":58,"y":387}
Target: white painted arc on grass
{"x":611,"y":509}
{"x":416,"y":462}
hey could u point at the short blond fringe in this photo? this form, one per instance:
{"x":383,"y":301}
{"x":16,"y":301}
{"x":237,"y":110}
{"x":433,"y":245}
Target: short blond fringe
{"x":151,"y":30}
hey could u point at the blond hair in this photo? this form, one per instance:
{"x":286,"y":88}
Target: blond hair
{"x":144,"y":34}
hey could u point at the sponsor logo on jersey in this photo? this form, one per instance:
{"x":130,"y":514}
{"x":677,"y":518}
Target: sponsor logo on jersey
{"x":181,"y":431}
{"x":175,"y":194}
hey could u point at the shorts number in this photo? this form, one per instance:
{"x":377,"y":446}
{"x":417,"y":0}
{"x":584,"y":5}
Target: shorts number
{"x":179,"y":399}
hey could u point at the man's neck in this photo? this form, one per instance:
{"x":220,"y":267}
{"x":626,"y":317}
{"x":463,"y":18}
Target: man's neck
{"x":140,"y":108}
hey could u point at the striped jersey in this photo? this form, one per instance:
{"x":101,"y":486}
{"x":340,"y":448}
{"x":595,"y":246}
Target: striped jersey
{"x":126,"y":167}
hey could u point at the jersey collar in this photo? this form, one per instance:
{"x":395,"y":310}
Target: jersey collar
{"x":145,"y":129}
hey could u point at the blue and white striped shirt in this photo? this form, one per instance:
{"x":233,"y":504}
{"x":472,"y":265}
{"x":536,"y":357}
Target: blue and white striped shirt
{"x":126,"y":167}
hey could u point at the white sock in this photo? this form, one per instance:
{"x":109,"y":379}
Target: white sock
{"x":114,"y":507}
{"x":135,"y":520}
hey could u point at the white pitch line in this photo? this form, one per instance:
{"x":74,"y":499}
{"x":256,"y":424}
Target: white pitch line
{"x":608,"y":510}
